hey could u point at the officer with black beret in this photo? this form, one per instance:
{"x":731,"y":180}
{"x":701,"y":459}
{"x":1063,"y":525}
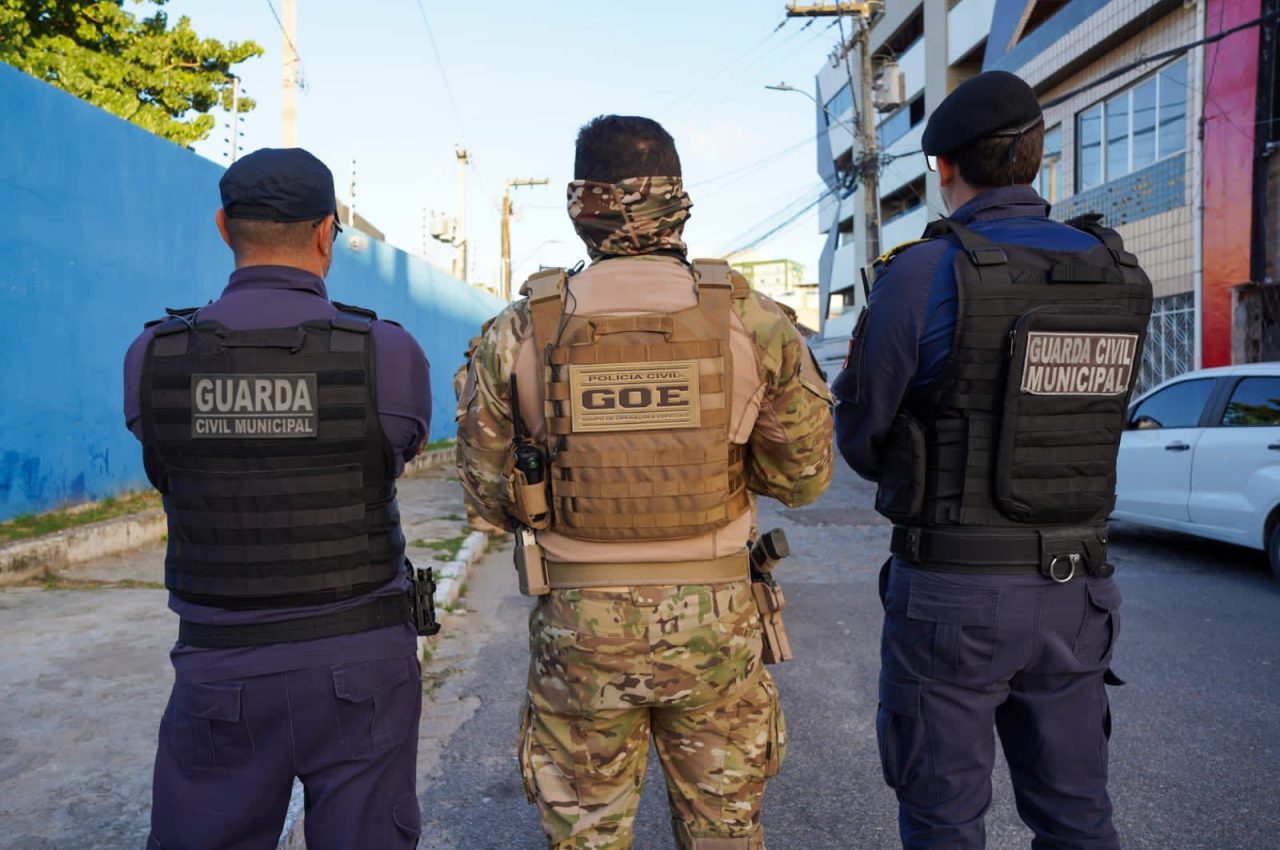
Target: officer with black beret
{"x":985,"y":392}
{"x":275,"y":423}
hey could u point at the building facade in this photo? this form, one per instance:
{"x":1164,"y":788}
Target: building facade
{"x":783,"y":281}
{"x":1142,"y":125}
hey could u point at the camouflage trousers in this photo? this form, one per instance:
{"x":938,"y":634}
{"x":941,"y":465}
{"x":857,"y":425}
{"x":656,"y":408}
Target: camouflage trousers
{"x":608,"y":671}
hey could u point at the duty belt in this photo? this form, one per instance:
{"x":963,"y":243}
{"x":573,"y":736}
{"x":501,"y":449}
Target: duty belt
{"x":1059,"y":554}
{"x":377,"y":613}
{"x":562,"y":575}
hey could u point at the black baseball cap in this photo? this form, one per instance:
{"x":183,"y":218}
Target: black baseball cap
{"x":278,"y":184}
{"x":995,"y":103}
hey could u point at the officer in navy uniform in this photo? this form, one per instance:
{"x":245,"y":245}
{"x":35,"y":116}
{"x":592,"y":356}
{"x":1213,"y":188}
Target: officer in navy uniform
{"x":985,"y":392}
{"x":275,"y":422}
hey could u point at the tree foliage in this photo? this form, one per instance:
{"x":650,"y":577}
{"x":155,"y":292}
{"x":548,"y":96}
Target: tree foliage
{"x":162,"y":79}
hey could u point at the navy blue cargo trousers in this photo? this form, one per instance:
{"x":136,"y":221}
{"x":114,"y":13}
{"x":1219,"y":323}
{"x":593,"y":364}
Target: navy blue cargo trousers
{"x":966,"y":656}
{"x":229,"y":752}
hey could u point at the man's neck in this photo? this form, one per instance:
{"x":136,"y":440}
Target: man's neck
{"x":306,"y":264}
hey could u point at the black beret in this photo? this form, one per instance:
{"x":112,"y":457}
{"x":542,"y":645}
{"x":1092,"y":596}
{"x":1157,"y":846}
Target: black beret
{"x":992,"y":103}
{"x":278,"y":184}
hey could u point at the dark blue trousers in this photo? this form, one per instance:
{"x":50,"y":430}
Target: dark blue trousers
{"x":967,"y":656}
{"x":229,"y":751}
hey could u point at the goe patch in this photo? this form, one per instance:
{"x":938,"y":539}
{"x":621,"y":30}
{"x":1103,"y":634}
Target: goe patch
{"x":278,"y":406}
{"x":1073,"y":363}
{"x":634,"y":396}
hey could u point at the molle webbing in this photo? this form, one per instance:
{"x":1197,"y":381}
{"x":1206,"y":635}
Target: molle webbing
{"x":729,"y":568}
{"x":1000,"y":456}
{"x":637,"y":413}
{"x":259,"y":519}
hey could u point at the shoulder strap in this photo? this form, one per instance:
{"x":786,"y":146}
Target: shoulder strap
{"x":354,"y":310}
{"x":171,"y":332}
{"x":981,"y":250}
{"x":349,"y":327}
{"x":716,"y":291}
{"x":545,"y":291}
{"x":705,"y":269}
{"x":1091,"y":223}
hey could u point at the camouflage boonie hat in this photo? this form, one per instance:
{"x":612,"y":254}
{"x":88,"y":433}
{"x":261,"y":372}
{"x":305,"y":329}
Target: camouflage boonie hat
{"x":638,"y":215}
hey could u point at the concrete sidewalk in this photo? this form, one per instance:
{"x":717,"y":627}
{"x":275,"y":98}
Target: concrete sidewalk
{"x":85,"y":676}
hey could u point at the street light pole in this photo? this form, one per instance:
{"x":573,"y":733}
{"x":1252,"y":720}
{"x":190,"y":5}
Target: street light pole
{"x":867,"y":167}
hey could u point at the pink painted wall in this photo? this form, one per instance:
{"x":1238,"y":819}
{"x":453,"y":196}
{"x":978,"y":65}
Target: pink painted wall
{"x":1230,"y":110}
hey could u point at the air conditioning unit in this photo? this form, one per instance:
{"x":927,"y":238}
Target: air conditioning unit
{"x":889,"y":91}
{"x":442,"y":227}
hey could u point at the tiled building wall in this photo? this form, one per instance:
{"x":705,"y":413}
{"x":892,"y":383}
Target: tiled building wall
{"x":1171,"y":30}
{"x":1151,"y":208}
{"x":1167,"y":259}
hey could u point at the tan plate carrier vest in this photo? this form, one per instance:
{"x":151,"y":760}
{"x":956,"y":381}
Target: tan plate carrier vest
{"x":637,"y":413}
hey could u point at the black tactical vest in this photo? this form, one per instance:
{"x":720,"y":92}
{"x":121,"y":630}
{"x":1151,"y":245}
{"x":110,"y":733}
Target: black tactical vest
{"x":277,"y":480}
{"x":1022,"y":427}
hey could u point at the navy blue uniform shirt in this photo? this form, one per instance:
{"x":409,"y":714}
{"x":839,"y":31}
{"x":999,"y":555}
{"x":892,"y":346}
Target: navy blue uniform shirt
{"x":260,"y":297}
{"x":912,"y":316}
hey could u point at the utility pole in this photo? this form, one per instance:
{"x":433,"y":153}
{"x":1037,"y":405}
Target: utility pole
{"x":460,"y":233}
{"x":289,"y":79}
{"x":235,"y":117}
{"x":506,"y":229}
{"x":351,"y":196}
{"x":867,"y":165}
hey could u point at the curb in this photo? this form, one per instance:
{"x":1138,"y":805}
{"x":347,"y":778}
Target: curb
{"x":451,"y":577}
{"x":430,"y":460}
{"x":29,"y":559}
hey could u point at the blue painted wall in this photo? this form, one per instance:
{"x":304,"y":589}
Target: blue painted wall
{"x":102,"y":225}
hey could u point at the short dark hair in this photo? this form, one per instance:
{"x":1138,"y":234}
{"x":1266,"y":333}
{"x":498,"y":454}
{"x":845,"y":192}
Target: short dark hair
{"x":614,"y":147}
{"x":990,"y":162}
{"x":252,"y":233}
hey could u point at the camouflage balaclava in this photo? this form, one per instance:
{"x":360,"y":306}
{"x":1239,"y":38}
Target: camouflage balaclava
{"x":638,"y":215}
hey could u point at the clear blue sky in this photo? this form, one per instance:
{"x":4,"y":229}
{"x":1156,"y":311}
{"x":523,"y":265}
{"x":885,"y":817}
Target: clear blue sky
{"x":524,"y":77}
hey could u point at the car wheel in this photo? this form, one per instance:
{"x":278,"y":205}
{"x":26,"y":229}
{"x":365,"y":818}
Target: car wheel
{"x":1273,"y":550}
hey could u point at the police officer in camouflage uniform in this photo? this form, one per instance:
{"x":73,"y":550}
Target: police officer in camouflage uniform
{"x":664,"y":394}
{"x":985,"y":393}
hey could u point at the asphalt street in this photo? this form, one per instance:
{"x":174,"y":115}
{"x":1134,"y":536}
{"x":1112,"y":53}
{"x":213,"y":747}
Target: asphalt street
{"x":1195,"y":751}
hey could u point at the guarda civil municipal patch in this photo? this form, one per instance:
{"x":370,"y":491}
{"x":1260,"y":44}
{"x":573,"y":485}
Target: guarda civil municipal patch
{"x":1078,"y":363}
{"x":254,"y":406}
{"x":634,"y":396}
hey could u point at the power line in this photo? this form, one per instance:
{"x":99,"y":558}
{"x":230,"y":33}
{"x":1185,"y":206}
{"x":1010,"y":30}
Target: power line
{"x":735,"y":62}
{"x":782,"y":225}
{"x":789,"y":213}
{"x":800,"y":47}
{"x":302,"y":66}
{"x":768,"y":159}
{"x":1156,"y":57}
{"x":444,"y":75}
{"x":699,"y":95}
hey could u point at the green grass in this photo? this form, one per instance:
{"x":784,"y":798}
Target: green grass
{"x":438,"y":444}
{"x":446,"y":550}
{"x":27,"y":526}
{"x":54,"y":581}
{"x":451,"y":517}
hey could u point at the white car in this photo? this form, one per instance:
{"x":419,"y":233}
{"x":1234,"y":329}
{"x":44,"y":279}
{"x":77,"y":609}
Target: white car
{"x":1200,"y":454}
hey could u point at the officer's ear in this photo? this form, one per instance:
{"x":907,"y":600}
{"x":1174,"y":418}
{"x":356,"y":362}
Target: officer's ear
{"x":221,"y":218}
{"x":947,"y":170}
{"x":324,"y":237}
